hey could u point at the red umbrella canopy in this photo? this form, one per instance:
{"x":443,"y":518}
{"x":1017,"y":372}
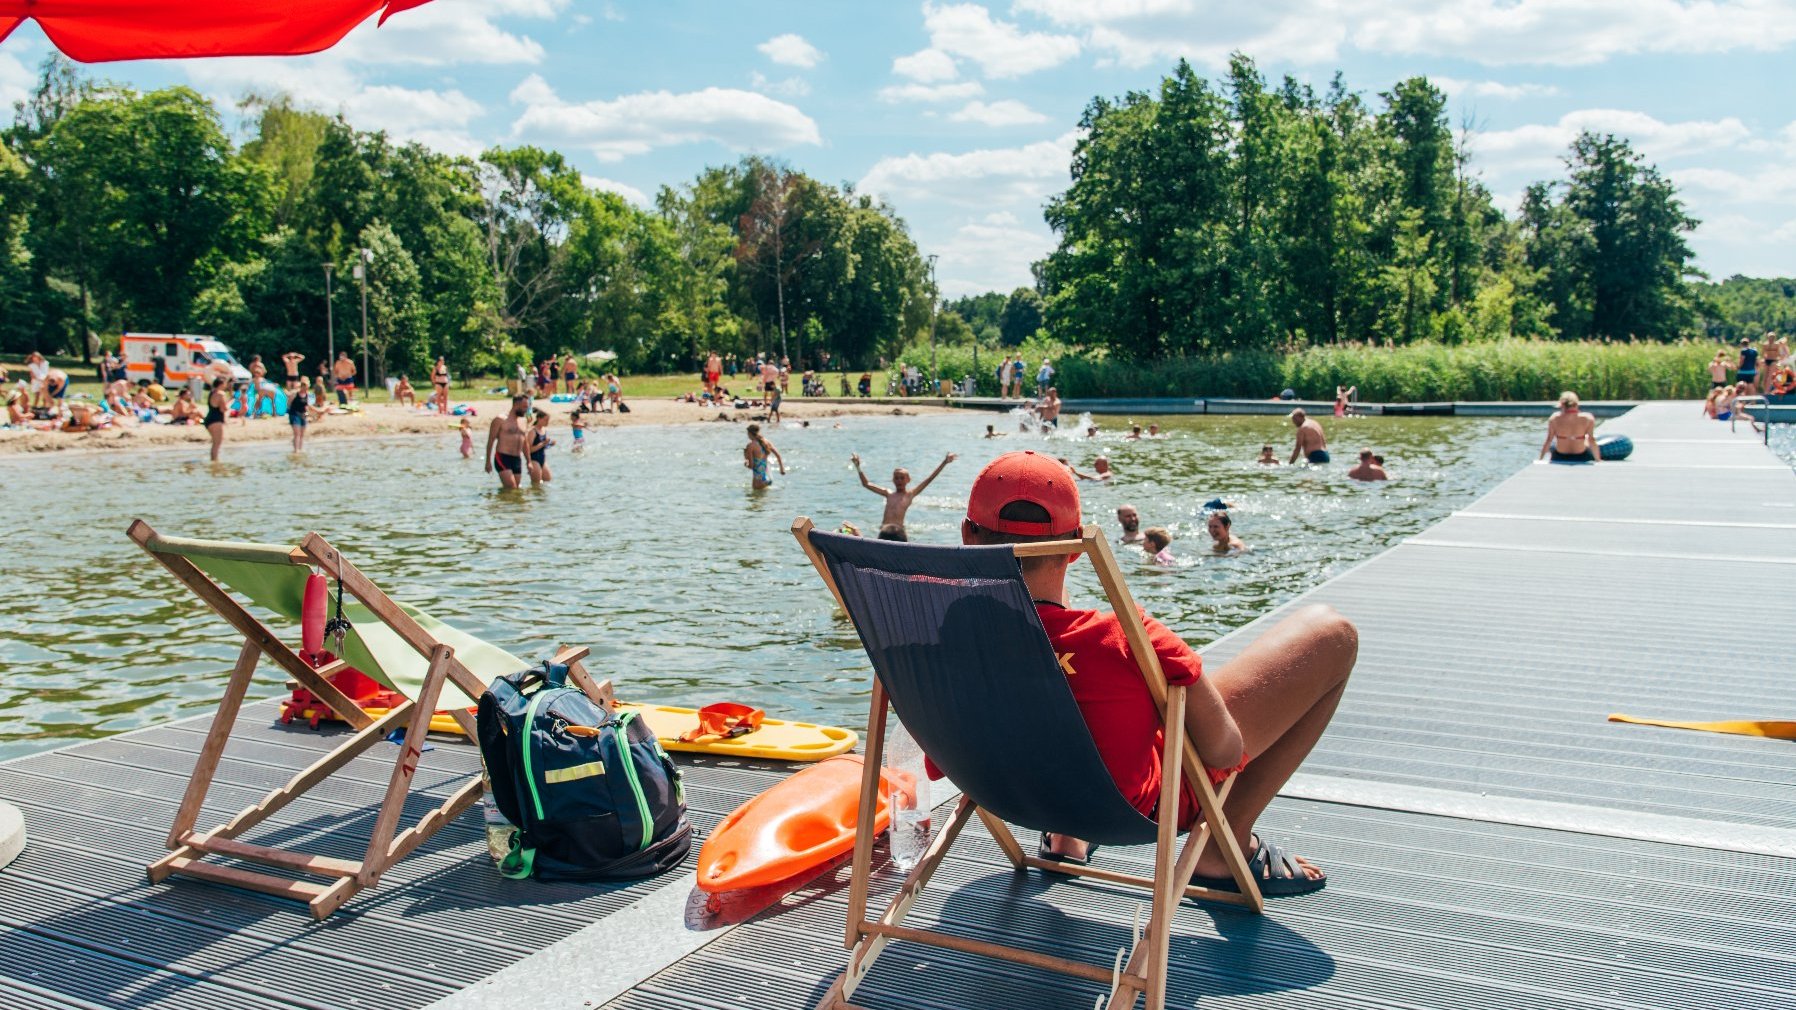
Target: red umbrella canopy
{"x":95,"y":31}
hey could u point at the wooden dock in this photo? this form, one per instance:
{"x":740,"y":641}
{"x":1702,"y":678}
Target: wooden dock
{"x":1492,"y":840}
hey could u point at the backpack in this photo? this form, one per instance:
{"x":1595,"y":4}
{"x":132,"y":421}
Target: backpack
{"x":592,"y":793}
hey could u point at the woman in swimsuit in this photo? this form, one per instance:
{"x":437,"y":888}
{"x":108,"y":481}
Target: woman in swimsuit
{"x":300,"y":412}
{"x":539,"y":448}
{"x":215,"y":415}
{"x":439,"y":379}
{"x":1222,"y":536}
{"x":754,"y":456}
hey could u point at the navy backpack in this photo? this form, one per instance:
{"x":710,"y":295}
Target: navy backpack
{"x":591,"y":791}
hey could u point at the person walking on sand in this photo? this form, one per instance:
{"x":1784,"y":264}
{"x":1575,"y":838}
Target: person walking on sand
{"x":901,"y":495}
{"x":508,"y":443}
{"x":1311,"y":444}
{"x":1571,"y":434}
{"x":713,"y":373}
{"x":755,"y":455}
{"x":216,"y":401}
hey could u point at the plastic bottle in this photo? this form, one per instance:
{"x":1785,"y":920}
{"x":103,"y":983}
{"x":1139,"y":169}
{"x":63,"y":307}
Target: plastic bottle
{"x":498,"y":829}
{"x":908,"y":832}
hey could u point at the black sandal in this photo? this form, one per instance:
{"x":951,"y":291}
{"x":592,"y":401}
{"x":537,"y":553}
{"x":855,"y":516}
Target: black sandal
{"x":1277,"y":871}
{"x":1042,"y":850}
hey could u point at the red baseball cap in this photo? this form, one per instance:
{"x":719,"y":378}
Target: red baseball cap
{"x":1031,"y":477}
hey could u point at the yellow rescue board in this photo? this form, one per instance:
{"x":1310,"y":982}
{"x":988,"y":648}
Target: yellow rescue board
{"x":776,"y":740}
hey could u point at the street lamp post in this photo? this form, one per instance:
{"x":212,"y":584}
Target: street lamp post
{"x":361,"y":274}
{"x":934,"y":377}
{"x":330,"y":328}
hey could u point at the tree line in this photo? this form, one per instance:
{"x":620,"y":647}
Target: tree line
{"x":135,"y":211}
{"x":1210,"y":218}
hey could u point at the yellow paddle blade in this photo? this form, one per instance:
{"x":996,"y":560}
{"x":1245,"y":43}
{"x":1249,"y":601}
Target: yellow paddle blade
{"x":1773,"y":728}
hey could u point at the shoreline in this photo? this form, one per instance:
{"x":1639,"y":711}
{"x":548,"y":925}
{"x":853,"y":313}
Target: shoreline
{"x":386,"y":420}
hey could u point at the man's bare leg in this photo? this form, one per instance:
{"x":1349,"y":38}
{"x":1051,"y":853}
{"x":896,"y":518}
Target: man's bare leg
{"x":1282,"y":691}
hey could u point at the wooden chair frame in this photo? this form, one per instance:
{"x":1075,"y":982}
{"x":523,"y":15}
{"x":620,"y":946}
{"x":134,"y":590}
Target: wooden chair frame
{"x":387,"y":844}
{"x":1145,"y":972}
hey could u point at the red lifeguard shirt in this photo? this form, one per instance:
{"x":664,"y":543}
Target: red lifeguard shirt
{"x":1118,"y":709}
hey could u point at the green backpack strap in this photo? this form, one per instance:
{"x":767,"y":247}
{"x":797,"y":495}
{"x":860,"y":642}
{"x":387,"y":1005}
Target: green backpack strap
{"x":519,"y":861}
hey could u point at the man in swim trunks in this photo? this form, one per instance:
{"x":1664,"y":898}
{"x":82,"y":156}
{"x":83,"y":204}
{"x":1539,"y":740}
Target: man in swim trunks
{"x":508,"y":442}
{"x":713,"y":372}
{"x":570,"y":370}
{"x":1260,"y":712}
{"x":1571,"y":435}
{"x":901,"y":495}
{"x":291,"y":362}
{"x":770,"y":381}
{"x":343,"y":370}
{"x":1130,"y":521}
{"x":1311,"y":444}
{"x":1368,"y":468}
{"x":1049,"y":408}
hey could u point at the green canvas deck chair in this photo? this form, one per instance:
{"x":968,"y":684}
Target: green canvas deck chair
{"x":406,"y":650}
{"x":954,"y":638}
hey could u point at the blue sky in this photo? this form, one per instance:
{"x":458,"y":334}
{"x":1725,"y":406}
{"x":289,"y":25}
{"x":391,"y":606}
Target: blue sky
{"x":962,"y":114}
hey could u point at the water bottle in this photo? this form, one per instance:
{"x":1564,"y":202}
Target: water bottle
{"x":498,"y":829}
{"x":909,"y":828}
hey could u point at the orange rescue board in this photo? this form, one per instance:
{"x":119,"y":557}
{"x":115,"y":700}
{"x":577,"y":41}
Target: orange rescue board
{"x":800,"y":823}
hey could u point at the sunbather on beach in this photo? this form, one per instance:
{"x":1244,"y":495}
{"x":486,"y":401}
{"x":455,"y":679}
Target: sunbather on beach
{"x":900,"y":496}
{"x":1260,"y":712}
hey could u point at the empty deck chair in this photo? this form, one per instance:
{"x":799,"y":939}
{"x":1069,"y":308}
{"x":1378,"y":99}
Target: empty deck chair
{"x":406,"y":650}
{"x":960,"y":654}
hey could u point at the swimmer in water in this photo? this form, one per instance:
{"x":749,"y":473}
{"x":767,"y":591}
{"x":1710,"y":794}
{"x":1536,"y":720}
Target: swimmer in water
{"x":1222,"y":536}
{"x":1369,"y":468}
{"x":1130,"y":520}
{"x":901,"y":495}
{"x":1267,"y":458}
{"x":1311,"y":444}
{"x":755,"y":455}
{"x":1102,"y":466}
{"x":1153,"y":431}
{"x":1134,"y":434}
{"x":1076,"y":472}
{"x":1091,"y":431}
{"x":1156,"y":542}
{"x":989,"y":433}
{"x":508,"y":442}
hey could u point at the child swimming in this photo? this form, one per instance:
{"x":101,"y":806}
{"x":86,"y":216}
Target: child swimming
{"x":1155,"y":541}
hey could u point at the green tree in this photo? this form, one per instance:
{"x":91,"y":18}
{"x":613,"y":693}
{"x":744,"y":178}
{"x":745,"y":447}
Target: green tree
{"x":398,"y":334}
{"x":1021,"y":317}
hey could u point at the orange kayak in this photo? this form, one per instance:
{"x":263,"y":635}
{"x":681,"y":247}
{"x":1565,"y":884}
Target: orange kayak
{"x":800,"y":823}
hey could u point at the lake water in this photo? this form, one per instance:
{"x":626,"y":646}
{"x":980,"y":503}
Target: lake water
{"x":650,"y":548}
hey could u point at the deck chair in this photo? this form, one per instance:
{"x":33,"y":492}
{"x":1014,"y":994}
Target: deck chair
{"x":406,"y":650}
{"x":953,"y":637}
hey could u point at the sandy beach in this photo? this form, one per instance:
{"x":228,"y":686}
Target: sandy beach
{"x":385,"y":419}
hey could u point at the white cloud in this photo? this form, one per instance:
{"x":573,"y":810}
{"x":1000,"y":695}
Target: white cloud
{"x":931,"y":92}
{"x":635,"y":124}
{"x":623,"y":189}
{"x":1492,"y":89}
{"x":791,"y":51}
{"x":447,"y":32}
{"x":791,"y":87}
{"x":927,"y":66}
{"x":1001,"y":113}
{"x":1139,"y":32}
{"x":999,"y":47}
{"x":988,"y":177}
{"x":992,"y":253}
{"x":1541,"y":148}
{"x":16,"y":80}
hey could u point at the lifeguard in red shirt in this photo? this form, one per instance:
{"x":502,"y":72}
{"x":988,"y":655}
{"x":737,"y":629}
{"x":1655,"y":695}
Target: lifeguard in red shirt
{"x":1260,"y":712}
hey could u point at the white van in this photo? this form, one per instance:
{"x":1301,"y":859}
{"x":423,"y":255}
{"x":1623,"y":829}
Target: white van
{"x":184,"y":356}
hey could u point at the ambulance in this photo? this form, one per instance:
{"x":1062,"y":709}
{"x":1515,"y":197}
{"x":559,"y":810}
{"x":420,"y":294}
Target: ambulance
{"x":184,"y":356}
